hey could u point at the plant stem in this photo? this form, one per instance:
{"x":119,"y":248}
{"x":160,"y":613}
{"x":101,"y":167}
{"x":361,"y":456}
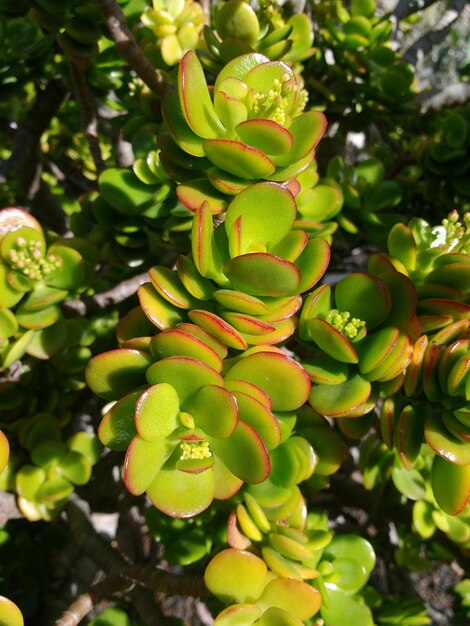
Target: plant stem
{"x":104,"y":299}
{"x":116,"y":23}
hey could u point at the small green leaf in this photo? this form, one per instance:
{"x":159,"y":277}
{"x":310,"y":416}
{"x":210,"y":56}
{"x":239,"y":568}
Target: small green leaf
{"x":117,"y":427}
{"x":215,"y":411}
{"x":365,"y":297}
{"x":239,"y":159}
{"x":112,"y":374}
{"x":185,"y":374}
{"x":157,"y":411}
{"x":195,"y":99}
{"x":262,"y":274}
{"x":341,"y":610}
{"x":450,"y":485}
{"x":279,"y":376}
{"x":266,"y":135}
{"x":182,"y":494}
{"x":341,"y":400}
{"x":177,"y":342}
{"x":331,"y":341}
{"x":236,"y":576}
{"x":144,"y":459}
{"x":294,"y":596}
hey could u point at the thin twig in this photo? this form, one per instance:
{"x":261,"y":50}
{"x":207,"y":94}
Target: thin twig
{"x":116,"y":23}
{"x":87,"y":113}
{"x":104,"y":299}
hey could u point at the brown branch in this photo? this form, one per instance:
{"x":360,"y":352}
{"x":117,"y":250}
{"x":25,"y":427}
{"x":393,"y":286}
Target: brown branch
{"x":405,"y":8}
{"x":87,"y":113}
{"x":86,"y":602}
{"x":160,"y":581}
{"x":104,"y":299}
{"x":127,"y":45}
{"x":434,"y":37}
{"x":23,"y":166}
{"x":47,"y":208}
{"x":111,"y":560}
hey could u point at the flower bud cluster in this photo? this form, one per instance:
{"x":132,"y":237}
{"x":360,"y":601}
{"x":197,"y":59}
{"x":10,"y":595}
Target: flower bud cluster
{"x":29,"y":260}
{"x":342,"y":322}
{"x":195,"y":450}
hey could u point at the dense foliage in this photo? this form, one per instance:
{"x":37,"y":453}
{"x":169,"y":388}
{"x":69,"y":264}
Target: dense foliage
{"x":234,"y":348}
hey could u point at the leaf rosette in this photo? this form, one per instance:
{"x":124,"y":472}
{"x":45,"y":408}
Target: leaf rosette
{"x":44,"y":485}
{"x":243,"y":281}
{"x":194,"y":434}
{"x":363,"y":332}
{"x":34,"y":278}
{"x":239,"y":29}
{"x":172,"y":27}
{"x":252,"y":128}
{"x":437,"y":261}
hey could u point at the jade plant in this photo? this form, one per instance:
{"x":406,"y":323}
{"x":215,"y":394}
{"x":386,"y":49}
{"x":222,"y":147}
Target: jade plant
{"x":35,"y":276}
{"x":370,"y":202}
{"x":53,"y":466}
{"x":442,"y":156}
{"x":363,"y":338}
{"x":242,"y":580}
{"x":240,"y":30}
{"x":436,"y":260}
{"x":241,"y":283}
{"x":255,"y":127}
{"x":172,"y":28}
{"x":368,"y":76}
{"x":213,"y":431}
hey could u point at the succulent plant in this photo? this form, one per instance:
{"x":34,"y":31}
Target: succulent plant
{"x":242,"y":283}
{"x":362,"y":77}
{"x":318,"y":202}
{"x":252,"y":129}
{"x":443,"y":157}
{"x":131,"y":212}
{"x":242,"y":580}
{"x":369,"y":200}
{"x":436,"y":260}
{"x":75,"y":25}
{"x":172,"y":28}
{"x":34,"y":278}
{"x":194,"y":427}
{"x":44,"y":484}
{"x":241,"y":30}
{"x":363,"y":335}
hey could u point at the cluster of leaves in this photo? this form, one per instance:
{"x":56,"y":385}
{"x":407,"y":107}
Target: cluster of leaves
{"x":243,"y":370}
